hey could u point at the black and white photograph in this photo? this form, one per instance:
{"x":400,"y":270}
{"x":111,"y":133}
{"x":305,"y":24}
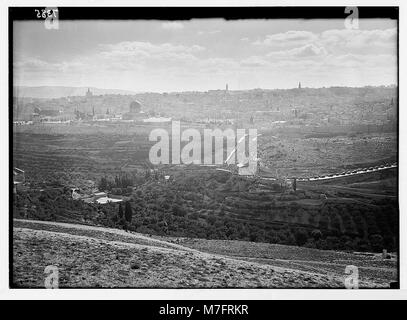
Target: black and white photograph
{"x":204,"y":148}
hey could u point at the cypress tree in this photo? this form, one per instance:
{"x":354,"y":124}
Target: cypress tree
{"x":128,"y":212}
{"x":120,"y":212}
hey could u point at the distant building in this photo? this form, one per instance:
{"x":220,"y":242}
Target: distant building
{"x":38,"y":112}
{"x":18,"y":178}
{"x":299,"y":85}
{"x":18,"y":175}
{"x":75,"y":194}
{"x":100,"y":198}
{"x":135,"y":107}
{"x":99,"y":194}
{"x":135,"y":112}
{"x":157,"y":119}
{"x":89,"y":94}
{"x":83,"y":115}
{"x":104,"y":200}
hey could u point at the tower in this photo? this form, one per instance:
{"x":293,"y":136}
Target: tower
{"x":299,"y":85}
{"x":227,"y":87}
{"x":89,"y":93}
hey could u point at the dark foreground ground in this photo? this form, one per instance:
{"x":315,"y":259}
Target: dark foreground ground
{"x":88,"y":256}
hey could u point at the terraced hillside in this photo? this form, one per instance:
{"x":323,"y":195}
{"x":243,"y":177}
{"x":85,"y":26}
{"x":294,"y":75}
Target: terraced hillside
{"x":78,"y":155}
{"x":350,"y":213}
{"x":358,"y":214}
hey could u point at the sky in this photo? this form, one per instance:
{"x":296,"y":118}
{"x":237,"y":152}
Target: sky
{"x":205,"y":54}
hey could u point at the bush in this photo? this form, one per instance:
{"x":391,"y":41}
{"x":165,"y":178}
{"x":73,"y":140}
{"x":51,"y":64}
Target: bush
{"x":116,"y":191}
{"x":376,"y":241}
{"x":179,"y":211}
{"x":301,"y":237}
{"x":333,"y":242}
{"x":128,"y":212}
{"x":135,"y":265}
{"x":316,"y":234}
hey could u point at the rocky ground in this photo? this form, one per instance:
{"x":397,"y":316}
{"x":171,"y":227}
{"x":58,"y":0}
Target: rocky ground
{"x":88,"y":256}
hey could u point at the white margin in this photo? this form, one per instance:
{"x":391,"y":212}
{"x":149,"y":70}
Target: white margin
{"x":191,"y":294}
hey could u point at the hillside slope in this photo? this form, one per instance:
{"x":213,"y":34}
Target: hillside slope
{"x":88,"y":256}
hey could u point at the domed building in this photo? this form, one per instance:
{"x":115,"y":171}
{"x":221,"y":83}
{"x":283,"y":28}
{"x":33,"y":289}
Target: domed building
{"x":135,"y":107}
{"x":135,"y":111}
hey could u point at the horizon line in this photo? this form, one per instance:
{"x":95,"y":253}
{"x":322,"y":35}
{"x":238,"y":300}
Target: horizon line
{"x":218,"y":89}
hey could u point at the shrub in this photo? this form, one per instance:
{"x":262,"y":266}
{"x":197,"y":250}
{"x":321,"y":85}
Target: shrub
{"x":376,"y":241}
{"x":316,"y":234}
{"x":179,"y":211}
{"x":128,"y":212}
{"x":120,"y":213}
{"x":301,"y":237}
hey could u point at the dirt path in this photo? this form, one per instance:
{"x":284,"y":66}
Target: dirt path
{"x":128,"y":235}
{"x":88,"y":256}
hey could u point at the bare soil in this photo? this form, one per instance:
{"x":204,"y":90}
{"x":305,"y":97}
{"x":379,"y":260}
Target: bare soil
{"x":92,"y":257}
